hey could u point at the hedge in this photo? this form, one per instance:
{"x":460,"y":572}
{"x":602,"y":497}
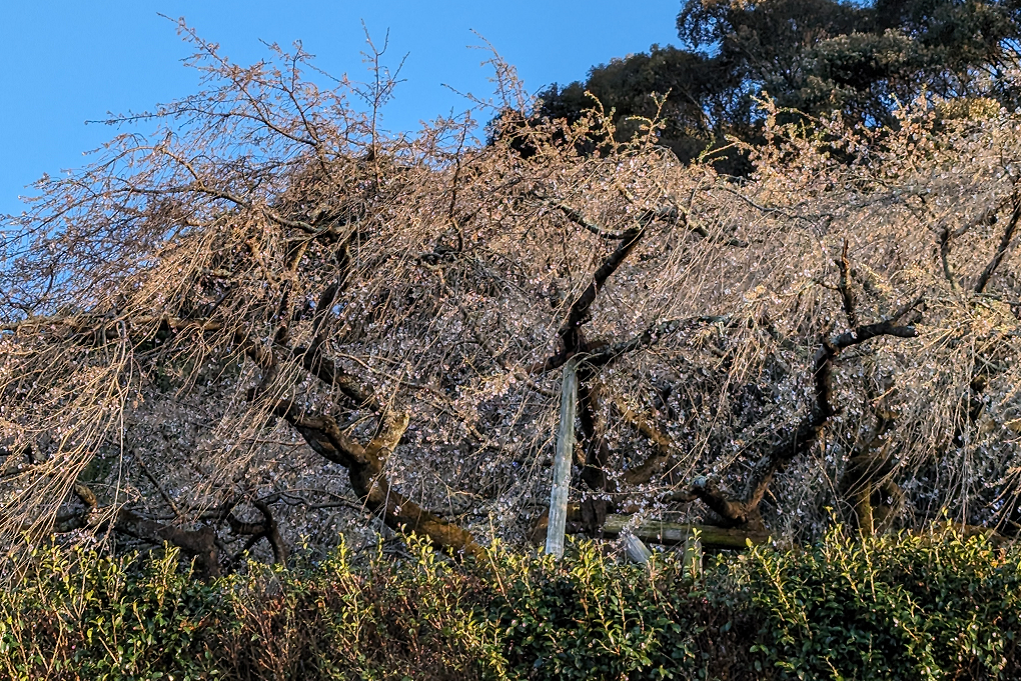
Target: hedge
{"x":938,"y":606}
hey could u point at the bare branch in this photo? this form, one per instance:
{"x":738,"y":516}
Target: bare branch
{"x":577,"y":218}
{"x":1002,"y":248}
{"x":846,"y":293}
{"x":945,"y":237}
{"x":649,"y":337}
{"x":663,"y":447}
{"x":578,"y":314}
{"x":200,"y":543}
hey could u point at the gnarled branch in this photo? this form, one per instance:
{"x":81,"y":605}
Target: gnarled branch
{"x":737,"y":512}
{"x":364,"y":464}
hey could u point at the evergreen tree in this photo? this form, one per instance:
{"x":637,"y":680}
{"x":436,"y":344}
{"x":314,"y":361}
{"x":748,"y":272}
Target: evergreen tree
{"x":862,"y":60}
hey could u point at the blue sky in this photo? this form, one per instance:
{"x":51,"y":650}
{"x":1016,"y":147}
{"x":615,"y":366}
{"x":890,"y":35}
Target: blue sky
{"x":63,"y":62}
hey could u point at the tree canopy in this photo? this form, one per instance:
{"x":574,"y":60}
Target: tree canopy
{"x":266,"y":323}
{"x":814,"y":56}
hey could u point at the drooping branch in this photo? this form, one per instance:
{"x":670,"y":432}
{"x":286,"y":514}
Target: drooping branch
{"x":869,"y":331}
{"x":315,"y":363}
{"x":610,"y":353}
{"x":866,"y":482}
{"x":685,"y":219}
{"x":313,"y":357}
{"x":324,"y":305}
{"x":726,"y":241}
{"x":948,"y":235}
{"x":321,"y":228}
{"x":808,"y":431}
{"x":475,"y":328}
{"x":104,"y":327}
{"x":945,"y":237}
{"x":332,"y":375}
{"x":267,"y":529}
{"x":577,"y":218}
{"x":329,"y":295}
{"x":663,"y":447}
{"x":569,"y":334}
{"x":649,"y":337}
{"x":742,"y":511}
{"x":987,"y":216}
{"x":200,"y":543}
{"x":138,"y":459}
{"x":364,"y":463}
{"x":595,"y":507}
{"x":593,"y":429}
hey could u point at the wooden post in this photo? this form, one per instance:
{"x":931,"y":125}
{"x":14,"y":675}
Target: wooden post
{"x":562,"y":460}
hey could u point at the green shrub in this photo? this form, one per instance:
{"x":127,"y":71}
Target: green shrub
{"x":412,"y":618}
{"x":925,"y":607}
{"x":79,"y":615}
{"x":591,"y":617}
{"x":933,"y":607}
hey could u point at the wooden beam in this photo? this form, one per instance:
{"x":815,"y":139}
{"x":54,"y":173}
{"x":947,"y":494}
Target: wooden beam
{"x":659,"y":532}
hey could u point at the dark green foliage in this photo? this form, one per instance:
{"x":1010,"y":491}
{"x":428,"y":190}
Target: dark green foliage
{"x":700,"y":97}
{"x":77,"y":615}
{"x":932,"y":607}
{"x":862,"y":60}
{"x":593,"y":618}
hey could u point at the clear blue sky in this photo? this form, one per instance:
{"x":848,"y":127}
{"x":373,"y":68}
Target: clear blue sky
{"x":64,"y":62}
